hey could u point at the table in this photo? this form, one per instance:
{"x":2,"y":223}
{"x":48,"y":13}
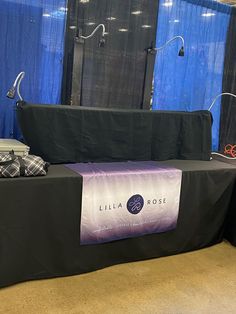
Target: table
{"x":40,"y":223}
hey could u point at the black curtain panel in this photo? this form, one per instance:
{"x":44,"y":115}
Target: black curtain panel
{"x":70,"y":35}
{"x":113,"y":75}
{"x":228,"y":105}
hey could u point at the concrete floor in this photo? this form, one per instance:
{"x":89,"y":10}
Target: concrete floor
{"x":202,"y":282}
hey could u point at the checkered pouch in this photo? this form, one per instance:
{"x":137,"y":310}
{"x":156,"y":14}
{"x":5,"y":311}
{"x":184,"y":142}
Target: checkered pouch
{"x":15,"y":166}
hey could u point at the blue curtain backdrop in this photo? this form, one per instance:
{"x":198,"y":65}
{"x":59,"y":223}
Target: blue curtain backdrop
{"x":191,"y":82}
{"x":31,"y":40}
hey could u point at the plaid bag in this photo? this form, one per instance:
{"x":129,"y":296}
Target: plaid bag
{"x":15,"y":166}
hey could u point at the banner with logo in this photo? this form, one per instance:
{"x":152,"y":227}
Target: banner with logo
{"x":127,"y":199}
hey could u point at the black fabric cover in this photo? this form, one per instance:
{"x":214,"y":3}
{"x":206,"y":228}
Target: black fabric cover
{"x":230,"y":230}
{"x":228,"y":104}
{"x":40,"y":223}
{"x":61,"y":134}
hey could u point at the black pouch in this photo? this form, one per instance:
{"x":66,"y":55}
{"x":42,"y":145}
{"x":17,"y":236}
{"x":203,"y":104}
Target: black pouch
{"x":12,"y":166}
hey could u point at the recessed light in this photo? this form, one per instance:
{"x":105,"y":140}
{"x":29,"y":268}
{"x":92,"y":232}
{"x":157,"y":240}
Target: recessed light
{"x":174,"y":21}
{"x":146,"y":26}
{"x":167,"y":4}
{"x":63,"y":9}
{"x":84,"y":1}
{"x":208,"y":14}
{"x":123,"y":30}
{"x":111,"y":18}
{"x":136,"y":12}
{"x":90,"y":23}
{"x":46,"y":14}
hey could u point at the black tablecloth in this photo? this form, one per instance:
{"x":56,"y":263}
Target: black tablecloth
{"x":62,"y":134}
{"x":40,"y":223}
{"x":230,"y":227}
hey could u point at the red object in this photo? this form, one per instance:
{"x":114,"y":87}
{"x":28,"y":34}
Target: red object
{"x":230,"y":150}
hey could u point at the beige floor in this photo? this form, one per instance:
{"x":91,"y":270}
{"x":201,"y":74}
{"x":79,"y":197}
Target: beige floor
{"x":199,"y":282}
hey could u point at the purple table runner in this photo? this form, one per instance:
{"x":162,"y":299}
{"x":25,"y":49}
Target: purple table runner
{"x":127,"y":199}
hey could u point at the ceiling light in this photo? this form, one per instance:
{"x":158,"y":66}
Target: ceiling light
{"x":174,"y":21}
{"x":167,"y":4}
{"x":84,"y":1}
{"x":123,"y":30}
{"x":111,"y":18}
{"x":90,"y":23}
{"x":208,"y":14}
{"x":146,"y":26}
{"x":63,"y":9}
{"x":72,"y":27}
{"x":136,"y":12}
{"x":46,"y":14}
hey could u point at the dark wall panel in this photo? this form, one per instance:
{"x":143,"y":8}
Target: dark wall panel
{"x":113,"y":76}
{"x":228,"y":105}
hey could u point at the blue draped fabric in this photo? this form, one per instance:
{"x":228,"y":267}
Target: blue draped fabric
{"x":31,"y":40}
{"x":191,"y":82}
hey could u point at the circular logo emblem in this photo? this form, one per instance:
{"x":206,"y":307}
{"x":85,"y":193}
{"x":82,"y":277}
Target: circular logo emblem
{"x":135,"y":204}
